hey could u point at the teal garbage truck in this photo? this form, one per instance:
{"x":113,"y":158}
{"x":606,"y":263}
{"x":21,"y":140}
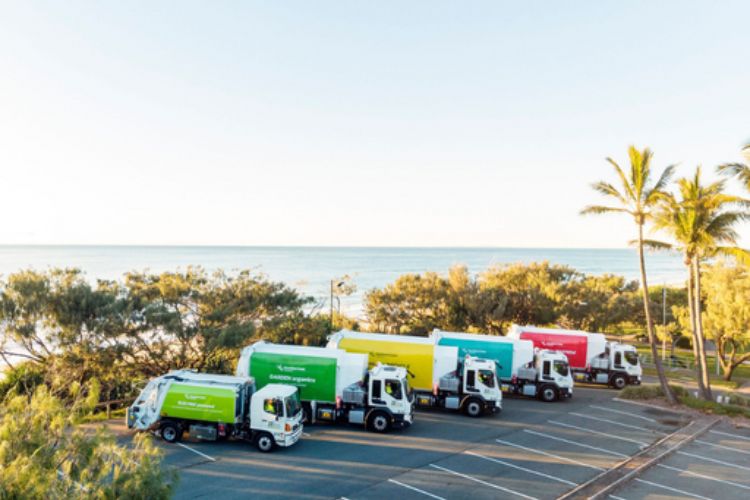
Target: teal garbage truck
{"x":334,"y":385}
{"x":214,"y":407}
{"x":521,"y":369}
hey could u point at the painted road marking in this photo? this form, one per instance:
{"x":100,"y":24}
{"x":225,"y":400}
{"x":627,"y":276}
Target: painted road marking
{"x":713,"y":460}
{"x":627,"y":426}
{"x":704,"y":476}
{"x":524,"y":469}
{"x":552,"y":455}
{"x":589,"y":431}
{"x":625,"y":413}
{"x":722,"y":446}
{"x":669,"y":488}
{"x":196,"y":452}
{"x":495,"y":486}
{"x":426,"y":493}
{"x":736,"y":436}
{"x":609,"y":452}
{"x":616,"y":498}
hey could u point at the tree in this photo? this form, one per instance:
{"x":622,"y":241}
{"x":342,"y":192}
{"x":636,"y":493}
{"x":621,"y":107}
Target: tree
{"x":595,"y":303}
{"x":44,"y":453}
{"x":532,"y":290}
{"x":741,"y":171}
{"x":637,"y":198}
{"x":701,"y":223}
{"x":727,"y":313}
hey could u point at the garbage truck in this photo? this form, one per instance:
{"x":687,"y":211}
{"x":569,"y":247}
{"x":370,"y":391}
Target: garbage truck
{"x":334,"y":385}
{"x":435,"y":374}
{"x":215,"y":407}
{"x":521,"y":369}
{"x":592,"y":358}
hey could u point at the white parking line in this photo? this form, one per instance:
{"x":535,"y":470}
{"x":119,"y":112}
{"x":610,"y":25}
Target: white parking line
{"x":704,"y":476}
{"x":737,"y":450}
{"x":669,"y":488}
{"x":196,"y":452}
{"x":613,"y":422}
{"x":701,"y":457}
{"x":524,"y":469}
{"x":426,"y":493}
{"x":552,"y":455}
{"x":736,"y":436}
{"x":589,"y":431}
{"x":465,"y":476}
{"x":625,"y":413}
{"x":608,"y":452}
{"x":616,"y":498}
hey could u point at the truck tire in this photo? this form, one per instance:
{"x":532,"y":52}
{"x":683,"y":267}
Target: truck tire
{"x":264,"y":442}
{"x":171,"y":432}
{"x":619,"y":381}
{"x":473,"y":407}
{"x":548,"y":393}
{"x":379,"y":421}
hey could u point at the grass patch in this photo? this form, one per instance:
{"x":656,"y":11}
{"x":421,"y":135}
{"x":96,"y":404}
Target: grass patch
{"x":738,"y":406}
{"x":102,"y":416}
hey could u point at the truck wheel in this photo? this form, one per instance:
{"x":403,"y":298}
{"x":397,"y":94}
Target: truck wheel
{"x":619,"y":382}
{"x":264,"y":442}
{"x":548,"y":394}
{"x":171,"y":432}
{"x":379,"y":422}
{"x":473,"y":408}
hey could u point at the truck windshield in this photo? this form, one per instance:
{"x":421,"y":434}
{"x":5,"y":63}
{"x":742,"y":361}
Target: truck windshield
{"x":631,"y":357}
{"x":487,"y":377}
{"x":292,"y":406}
{"x":561,"y":367}
{"x":408,"y":391}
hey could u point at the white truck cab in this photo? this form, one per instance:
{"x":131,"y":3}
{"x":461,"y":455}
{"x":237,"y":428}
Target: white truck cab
{"x":276,"y":410}
{"x":389,"y":389}
{"x":479,"y":378}
{"x":618,"y":365}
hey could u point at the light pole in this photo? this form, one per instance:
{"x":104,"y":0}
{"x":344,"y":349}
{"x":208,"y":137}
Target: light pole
{"x":664,"y":322}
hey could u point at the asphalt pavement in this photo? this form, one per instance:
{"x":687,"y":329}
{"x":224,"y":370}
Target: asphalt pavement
{"x":530,"y":450}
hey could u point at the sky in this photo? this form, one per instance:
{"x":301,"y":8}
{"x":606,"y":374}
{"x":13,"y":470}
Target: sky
{"x":421,"y":123}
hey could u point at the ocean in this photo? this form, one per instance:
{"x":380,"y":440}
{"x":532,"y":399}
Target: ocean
{"x":310,"y":269}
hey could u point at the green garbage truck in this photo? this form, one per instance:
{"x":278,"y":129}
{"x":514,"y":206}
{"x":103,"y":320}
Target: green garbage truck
{"x":215,"y":407}
{"x":334,"y":385}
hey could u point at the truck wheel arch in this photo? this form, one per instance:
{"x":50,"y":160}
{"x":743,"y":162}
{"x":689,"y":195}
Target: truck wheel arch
{"x":548,"y":393}
{"x":170,"y":431}
{"x":618,"y":381}
{"x":264,"y":442}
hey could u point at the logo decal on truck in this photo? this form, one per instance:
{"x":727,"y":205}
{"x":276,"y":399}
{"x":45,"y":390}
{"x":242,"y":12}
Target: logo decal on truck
{"x":290,"y":369}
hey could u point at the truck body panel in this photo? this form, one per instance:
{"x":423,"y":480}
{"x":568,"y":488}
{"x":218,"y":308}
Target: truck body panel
{"x":201,"y":402}
{"x":496,"y":349}
{"x":424,"y":362}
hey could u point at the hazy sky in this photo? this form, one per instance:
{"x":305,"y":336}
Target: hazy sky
{"x":353,"y":123}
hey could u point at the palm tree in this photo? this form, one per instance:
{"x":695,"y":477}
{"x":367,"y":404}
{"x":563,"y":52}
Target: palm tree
{"x":739,"y":170}
{"x":701,"y":222}
{"x":637,"y":198}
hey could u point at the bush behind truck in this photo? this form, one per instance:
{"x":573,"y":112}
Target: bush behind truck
{"x":213,"y":407}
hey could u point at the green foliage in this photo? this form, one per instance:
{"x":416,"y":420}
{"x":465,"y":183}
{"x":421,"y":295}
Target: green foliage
{"x":45,"y":454}
{"x":536,"y":293}
{"x":738,"y":407}
{"x":726,"y":316}
{"x":123,"y":333}
{"x":21,"y":379}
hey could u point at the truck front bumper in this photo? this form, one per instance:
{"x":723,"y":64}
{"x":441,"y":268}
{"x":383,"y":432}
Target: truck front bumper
{"x":494,"y":406}
{"x":634,"y":380}
{"x":284,"y":440}
{"x":566,"y":392}
{"x":402,"y":421}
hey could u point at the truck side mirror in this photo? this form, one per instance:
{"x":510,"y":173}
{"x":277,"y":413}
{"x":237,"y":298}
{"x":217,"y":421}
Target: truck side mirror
{"x":136,"y":409}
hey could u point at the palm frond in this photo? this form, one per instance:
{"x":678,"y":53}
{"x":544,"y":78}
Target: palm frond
{"x":623,"y":179}
{"x":608,"y":189}
{"x":740,"y":254}
{"x":653,"y":244}
{"x":598,"y":209}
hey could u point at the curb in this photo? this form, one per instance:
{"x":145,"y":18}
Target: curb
{"x":610,"y":480}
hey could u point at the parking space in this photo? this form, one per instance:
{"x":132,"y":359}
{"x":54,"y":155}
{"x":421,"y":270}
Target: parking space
{"x":541,"y":460}
{"x":716,"y":465}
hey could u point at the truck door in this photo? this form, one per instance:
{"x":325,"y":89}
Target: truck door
{"x":618,"y":360}
{"x":546,"y":371}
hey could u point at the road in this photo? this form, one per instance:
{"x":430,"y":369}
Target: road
{"x":530,"y":450}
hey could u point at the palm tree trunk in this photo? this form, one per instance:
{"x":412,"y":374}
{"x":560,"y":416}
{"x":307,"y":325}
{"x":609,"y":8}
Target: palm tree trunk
{"x":699,"y":331}
{"x":693,"y":326}
{"x":650,"y":324}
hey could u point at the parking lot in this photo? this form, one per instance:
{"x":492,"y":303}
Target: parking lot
{"x":530,"y":450}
